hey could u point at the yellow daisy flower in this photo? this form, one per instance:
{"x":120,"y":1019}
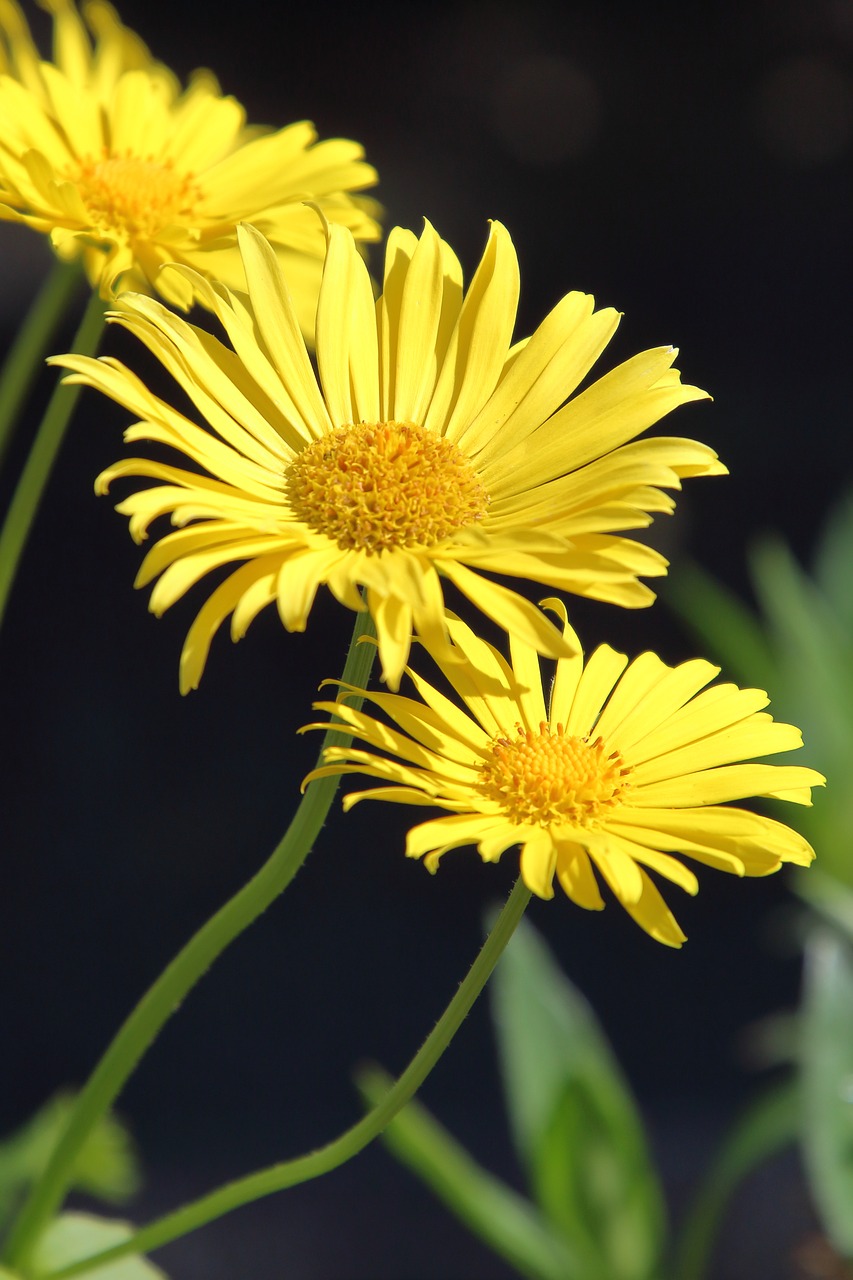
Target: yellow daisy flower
{"x":627,"y":764}
{"x":104,"y":152}
{"x":429,"y":449}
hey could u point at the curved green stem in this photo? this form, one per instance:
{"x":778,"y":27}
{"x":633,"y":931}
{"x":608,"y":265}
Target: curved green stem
{"x":164,"y":997}
{"x":291,"y":1172}
{"x":39,"y":464}
{"x":24,"y":357}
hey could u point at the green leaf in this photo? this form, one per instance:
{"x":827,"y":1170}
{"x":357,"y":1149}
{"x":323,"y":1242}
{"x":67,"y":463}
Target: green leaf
{"x":833,"y":567}
{"x":827,"y":1082}
{"x":816,"y":651}
{"x":75,"y":1236}
{"x":106,"y":1168}
{"x":772,"y":1122}
{"x":731,"y":630}
{"x":829,"y":898}
{"x":574,"y":1122}
{"x":504,"y":1220}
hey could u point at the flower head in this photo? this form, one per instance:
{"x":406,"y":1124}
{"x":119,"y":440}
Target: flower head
{"x":104,"y":152}
{"x":626,"y":765}
{"x":431,"y":449}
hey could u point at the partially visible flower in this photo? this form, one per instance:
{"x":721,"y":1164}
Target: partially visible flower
{"x":625,"y":766}
{"x":103,"y":151}
{"x":430,"y":449}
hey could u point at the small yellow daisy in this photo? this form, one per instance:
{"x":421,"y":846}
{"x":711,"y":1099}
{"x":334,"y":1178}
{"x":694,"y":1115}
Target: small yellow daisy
{"x":627,"y":764}
{"x":429,"y":450}
{"x":104,"y":152}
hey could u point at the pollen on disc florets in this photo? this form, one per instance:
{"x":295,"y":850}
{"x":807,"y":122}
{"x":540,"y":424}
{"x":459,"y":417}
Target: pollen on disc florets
{"x":550,"y":776}
{"x":131,"y":197}
{"x":373,"y":486}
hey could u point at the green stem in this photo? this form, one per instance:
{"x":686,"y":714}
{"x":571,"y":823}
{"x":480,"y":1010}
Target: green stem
{"x":163,"y":998}
{"x":291,"y":1172}
{"x":770,"y":1123}
{"x":39,"y":464}
{"x":24,"y":358}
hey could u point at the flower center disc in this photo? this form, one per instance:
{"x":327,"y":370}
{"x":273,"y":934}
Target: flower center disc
{"x":373,"y":486}
{"x":549,"y":777}
{"x":133,"y":198}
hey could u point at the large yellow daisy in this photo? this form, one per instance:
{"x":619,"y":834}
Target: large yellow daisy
{"x":431,"y":449}
{"x":103,"y":151}
{"x":622,"y":766}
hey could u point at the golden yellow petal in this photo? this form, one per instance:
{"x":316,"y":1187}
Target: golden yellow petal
{"x":538,"y":863}
{"x":392,"y":618}
{"x":576,"y":877}
{"x":260,"y":593}
{"x":731,"y":782}
{"x":724,"y":827}
{"x":299,"y":577}
{"x":399,"y":248}
{"x":387,"y":739}
{"x":652,"y":914}
{"x":480,"y":342}
{"x":394,"y":795}
{"x":714,"y":709}
{"x":204,"y":128}
{"x":450,"y":832}
{"x":527,"y":683}
{"x":621,"y":405}
{"x":599,"y":676}
{"x":648,"y":694}
{"x":753,"y":737}
{"x":483,"y":679}
{"x":615,"y":864}
{"x":510,"y":610}
{"x":501,"y":836}
{"x":278,"y":326}
{"x":418,"y":316}
{"x":429,"y":725}
{"x":347,"y":352}
{"x":213,"y":379}
{"x":177,"y":579}
{"x":460,"y":727}
{"x":546,"y":372}
{"x":209,"y":619}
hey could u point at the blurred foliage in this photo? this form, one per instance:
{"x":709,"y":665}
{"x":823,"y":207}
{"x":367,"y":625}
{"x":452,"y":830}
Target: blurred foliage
{"x":594,"y":1209}
{"x":800,"y":649}
{"x":73,"y":1236}
{"x":107,"y":1167}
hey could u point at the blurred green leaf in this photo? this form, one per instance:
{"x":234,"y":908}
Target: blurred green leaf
{"x":107,"y":1167}
{"x":830,"y":898}
{"x":816,"y":652}
{"x":772,"y":1122}
{"x":723,"y":622}
{"x":74,"y":1236}
{"x":834,"y":562}
{"x":574,"y":1122}
{"x":491,"y":1210}
{"x":827,"y":1082}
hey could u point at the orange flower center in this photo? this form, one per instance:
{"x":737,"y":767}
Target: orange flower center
{"x":373,"y":486}
{"x":552,"y":777}
{"x":129,"y":198}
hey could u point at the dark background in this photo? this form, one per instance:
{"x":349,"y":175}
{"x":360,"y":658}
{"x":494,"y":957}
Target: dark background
{"x":690,"y":167}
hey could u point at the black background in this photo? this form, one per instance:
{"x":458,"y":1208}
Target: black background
{"x":690,"y":166}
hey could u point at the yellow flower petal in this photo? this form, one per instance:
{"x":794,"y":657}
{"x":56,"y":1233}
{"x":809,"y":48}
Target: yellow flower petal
{"x":347,"y":350}
{"x":431,"y":451}
{"x":565,"y":791}
{"x":103,"y":150}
